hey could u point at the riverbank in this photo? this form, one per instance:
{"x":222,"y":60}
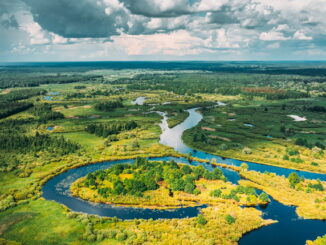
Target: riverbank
{"x":236,"y":154}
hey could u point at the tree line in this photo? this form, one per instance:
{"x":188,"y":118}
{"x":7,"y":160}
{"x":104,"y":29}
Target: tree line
{"x":106,"y":129}
{"x":27,"y":80}
{"x":44,"y":113}
{"x":109,"y":105}
{"x":10,"y":108}
{"x":37,"y":142}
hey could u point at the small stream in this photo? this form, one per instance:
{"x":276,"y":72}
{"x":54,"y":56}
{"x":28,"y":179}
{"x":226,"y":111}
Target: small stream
{"x":289,"y":230}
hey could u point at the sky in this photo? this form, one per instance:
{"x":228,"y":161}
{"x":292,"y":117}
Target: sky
{"x":100,"y":30}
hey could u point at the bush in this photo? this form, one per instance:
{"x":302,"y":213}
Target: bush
{"x":294,"y":179}
{"x":244,"y":166}
{"x":121,"y":236}
{"x":91,"y":238}
{"x":286,"y":157}
{"x":318,"y":186}
{"x":201,"y":220}
{"x":292,"y":152}
{"x":314,"y":164}
{"x":7,"y":202}
{"x":223,"y":147}
{"x":229,"y":219}
{"x":189,"y":188}
{"x":264,"y":197}
{"x":247,"y":151}
{"x":216,"y":193}
{"x":196,"y":192}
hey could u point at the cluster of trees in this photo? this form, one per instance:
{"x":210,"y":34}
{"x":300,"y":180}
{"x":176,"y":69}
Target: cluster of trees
{"x":294,"y":179}
{"x":44,"y":113}
{"x":305,"y":142}
{"x":200,"y":137}
{"x":35,"y":143}
{"x":92,"y":93}
{"x":109,"y":105}
{"x":145,"y":175}
{"x":21,"y":94}
{"x":10,"y":126}
{"x":10,"y":108}
{"x":273,"y":94}
{"x":112,"y":128}
{"x":226,"y":84}
{"x":318,"y":186}
{"x":239,"y":190}
{"x":317,"y":109}
{"x":10,"y":104}
{"x":79,"y":87}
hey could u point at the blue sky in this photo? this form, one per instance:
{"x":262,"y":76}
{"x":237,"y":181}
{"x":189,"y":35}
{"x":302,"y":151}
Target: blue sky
{"x":73,"y":30}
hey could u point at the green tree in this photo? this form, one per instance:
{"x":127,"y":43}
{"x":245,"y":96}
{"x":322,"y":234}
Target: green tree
{"x":216,"y":193}
{"x":293,"y":179}
{"x":264,"y":197}
{"x":189,"y":188}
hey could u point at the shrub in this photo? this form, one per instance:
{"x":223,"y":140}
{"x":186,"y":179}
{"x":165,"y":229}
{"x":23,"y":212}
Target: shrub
{"x":7,"y":202}
{"x":314,"y":164}
{"x":292,"y":152}
{"x":286,"y":157}
{"x":189,"y":188}
{"x":318,"y":186}
{"x":91,"y":238}
{"x":223,"y":147}
{"x":264,"y":197}
{"x":246,"y":150}
{"x":229,"y":219}
{"x":196,"y":192}
{"x":201,"y":220}
{"x":294,"y":179}
{"x":216,"y":193}
{"x":244,"y":166}
{"x":121,"y":236}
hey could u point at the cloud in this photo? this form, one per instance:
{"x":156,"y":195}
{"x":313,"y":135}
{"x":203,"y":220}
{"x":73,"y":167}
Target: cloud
{"x":79,"y":19}
{"x":158,"y":8}
{"x":301,"y":36}
{"x":272,"y":36}
{"x":9,"y":22}
{"x":162,"y":28}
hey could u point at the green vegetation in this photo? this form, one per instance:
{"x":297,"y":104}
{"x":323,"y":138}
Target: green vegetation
{"x":104,"y":130}
{"x":318,"y":241}
{"x":244,"y":130}
{"x":108,"y":105}
{"x":56,"y":118}
{"x":162,"y":185}
{"x":307,"y":195}
{"x":135,"y":179}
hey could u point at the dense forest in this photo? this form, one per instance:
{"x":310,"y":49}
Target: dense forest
{"x":254,"y":85}
{"x":44,"y":113}
{"x":11,"y":108}
{"x":35,"y":143}
{"x":109,"y":105}
{"x":21,"y":94}
{"x":33,"y":80}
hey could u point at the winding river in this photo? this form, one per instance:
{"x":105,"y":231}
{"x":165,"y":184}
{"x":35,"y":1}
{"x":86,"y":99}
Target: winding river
{"x":289,"y":230}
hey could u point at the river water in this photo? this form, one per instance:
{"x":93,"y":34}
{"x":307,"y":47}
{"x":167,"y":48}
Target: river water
{"x":289,"y":230}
